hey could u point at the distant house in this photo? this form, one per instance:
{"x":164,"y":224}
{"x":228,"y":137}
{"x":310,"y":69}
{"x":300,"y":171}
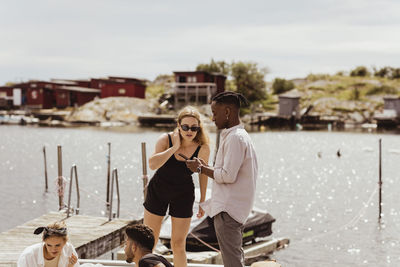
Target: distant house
{"x":67,"y":96}
{"x":289,"y":104}
{"x":57,"y":93}
{"x":390,"y":116}
{"x":19,"y":93}
{"x":62,"y":93}
{"x":196,"y":87}
{"x":392,"y":103}
{"x":40,"y":94}
{"x":6,"y":96}
{"x":120,"y":86}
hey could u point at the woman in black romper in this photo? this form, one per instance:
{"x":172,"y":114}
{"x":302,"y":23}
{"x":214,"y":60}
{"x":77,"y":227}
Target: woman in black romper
{"x":172,"y":185}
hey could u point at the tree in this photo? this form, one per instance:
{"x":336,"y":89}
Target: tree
{"x":383,"y":72}
{"x":215,"y":66}
{"x":246,"y":77}
{"x":249,"y":80}
{"x":281,"y":85}
{"x":396,"y":73}
{"x":359,"y":71}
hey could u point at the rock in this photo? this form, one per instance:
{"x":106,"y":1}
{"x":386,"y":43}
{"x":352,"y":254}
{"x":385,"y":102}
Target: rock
{"x":125,"y":109}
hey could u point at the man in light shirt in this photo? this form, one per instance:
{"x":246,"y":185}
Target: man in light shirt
{"x":234,"y":174}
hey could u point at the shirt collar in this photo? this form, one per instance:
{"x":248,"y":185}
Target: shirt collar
{"x":227,"y":131}
{"x":40,"y":254}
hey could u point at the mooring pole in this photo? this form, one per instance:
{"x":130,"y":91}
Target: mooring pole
{"x":46,"y":189}
{"x":380,"y":179}
{"x":108,"y":174}
{"x":144,"y":169}
{"x":60,"y":179}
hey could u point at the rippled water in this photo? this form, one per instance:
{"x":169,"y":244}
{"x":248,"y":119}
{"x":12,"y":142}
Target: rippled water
{"x":326,"y":205}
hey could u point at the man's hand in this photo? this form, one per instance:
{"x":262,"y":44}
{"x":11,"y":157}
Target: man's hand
{"x":193,"y":164}
{"x":200,"y":213}
{"x":202,"y":162}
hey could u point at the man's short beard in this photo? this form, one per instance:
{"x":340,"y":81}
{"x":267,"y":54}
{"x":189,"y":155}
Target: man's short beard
{"x":129,"y":258}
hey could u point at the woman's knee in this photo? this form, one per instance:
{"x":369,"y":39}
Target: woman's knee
{"x":178,"y":244}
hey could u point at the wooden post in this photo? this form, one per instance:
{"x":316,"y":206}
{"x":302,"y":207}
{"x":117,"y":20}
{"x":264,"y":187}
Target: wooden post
{"x":380,"y":179}
{"x":45,"y":171}
{"x":144,"y":170}
{"x":60,"y":179}
{"x":108,"y":174}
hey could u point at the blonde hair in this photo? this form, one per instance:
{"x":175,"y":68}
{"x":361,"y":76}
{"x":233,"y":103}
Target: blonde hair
{"x":55,"y":229}
{"x":201,"y":137}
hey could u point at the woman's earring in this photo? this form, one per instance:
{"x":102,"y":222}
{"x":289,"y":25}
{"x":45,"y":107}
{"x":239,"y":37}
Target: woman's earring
{"x":227,"y":117}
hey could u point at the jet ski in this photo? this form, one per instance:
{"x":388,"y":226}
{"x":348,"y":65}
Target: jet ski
{"x":202,"y":235}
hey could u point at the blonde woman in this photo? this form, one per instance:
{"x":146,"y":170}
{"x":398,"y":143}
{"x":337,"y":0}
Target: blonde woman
{"x":54,"y":251}
{"x":172,"y":185}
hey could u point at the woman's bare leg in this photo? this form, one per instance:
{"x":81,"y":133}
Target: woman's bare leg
{"x":154,"y":222}
{"x":180,"y":229}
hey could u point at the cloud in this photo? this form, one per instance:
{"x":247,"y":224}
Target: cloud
{"x":47,"y":39}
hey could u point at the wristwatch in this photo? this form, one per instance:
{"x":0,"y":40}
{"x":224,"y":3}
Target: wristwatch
{"x":199,"y":169}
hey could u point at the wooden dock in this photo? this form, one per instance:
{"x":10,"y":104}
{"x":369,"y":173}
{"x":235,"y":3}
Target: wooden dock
{"x":252,"y":252}
{"x":91,"y":236}
{"x":157,"y":120}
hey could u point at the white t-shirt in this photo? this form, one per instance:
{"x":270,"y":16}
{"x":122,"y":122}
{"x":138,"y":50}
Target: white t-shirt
{"x":52,"y":263}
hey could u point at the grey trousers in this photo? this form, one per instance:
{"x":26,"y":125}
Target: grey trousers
{"x":229,"y":234}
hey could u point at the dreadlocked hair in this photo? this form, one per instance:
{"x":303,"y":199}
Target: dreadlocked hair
{"x":229,"y":97}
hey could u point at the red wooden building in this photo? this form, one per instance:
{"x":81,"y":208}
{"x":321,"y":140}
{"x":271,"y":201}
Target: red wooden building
{"x":6,"y":92}
{"x":6,"y":95}
{"x":40,"y":94}
{"x":64,"y":93}
{"x":201,"y":77}
{"x":196,"y":87}
{"x":120,"y":86}
{"x":69,"y":96}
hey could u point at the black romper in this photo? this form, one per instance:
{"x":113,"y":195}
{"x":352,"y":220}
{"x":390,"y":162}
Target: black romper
{"x":172,"y":185}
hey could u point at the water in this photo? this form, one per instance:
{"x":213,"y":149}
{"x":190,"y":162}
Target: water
{"x":327,"y":205}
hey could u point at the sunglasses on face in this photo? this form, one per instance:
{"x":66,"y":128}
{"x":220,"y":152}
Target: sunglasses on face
{"x":186,"y":128}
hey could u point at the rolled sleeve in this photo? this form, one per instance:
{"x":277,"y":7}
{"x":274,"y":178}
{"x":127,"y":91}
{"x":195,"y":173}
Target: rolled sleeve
{"x":235,"y":151}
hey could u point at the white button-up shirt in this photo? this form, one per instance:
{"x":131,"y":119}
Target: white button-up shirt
{"x":235,"y":175}
{"x":33,"y":256}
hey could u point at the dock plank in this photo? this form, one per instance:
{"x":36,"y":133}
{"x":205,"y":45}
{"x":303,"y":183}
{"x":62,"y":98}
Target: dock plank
{"x":91,"y":236}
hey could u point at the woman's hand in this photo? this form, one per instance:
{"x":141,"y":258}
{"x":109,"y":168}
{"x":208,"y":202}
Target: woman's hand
{"x":72,"y":260}
{"x":176,"y":140}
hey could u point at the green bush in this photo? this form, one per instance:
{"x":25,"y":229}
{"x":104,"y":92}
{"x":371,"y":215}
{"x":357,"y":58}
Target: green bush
{"x":281,"y":85}
{"x":387,"y":72}
{"x":395,"y":73}
{"x":383,"y":72}
{"x":315,"y":77}
{"x":360,"y":71}
{"x":384,"y":89}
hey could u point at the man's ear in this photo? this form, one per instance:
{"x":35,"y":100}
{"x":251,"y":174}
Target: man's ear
{"x":228,"y":111}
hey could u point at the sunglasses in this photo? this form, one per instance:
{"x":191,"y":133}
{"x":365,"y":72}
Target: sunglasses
{"x":186,"y":128}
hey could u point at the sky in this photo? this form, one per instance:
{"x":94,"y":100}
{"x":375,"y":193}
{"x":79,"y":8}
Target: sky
{"x":44,"y":39}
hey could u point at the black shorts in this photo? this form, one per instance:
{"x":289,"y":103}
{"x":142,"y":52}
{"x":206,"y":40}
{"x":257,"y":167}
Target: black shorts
{"x":179,"y":199}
